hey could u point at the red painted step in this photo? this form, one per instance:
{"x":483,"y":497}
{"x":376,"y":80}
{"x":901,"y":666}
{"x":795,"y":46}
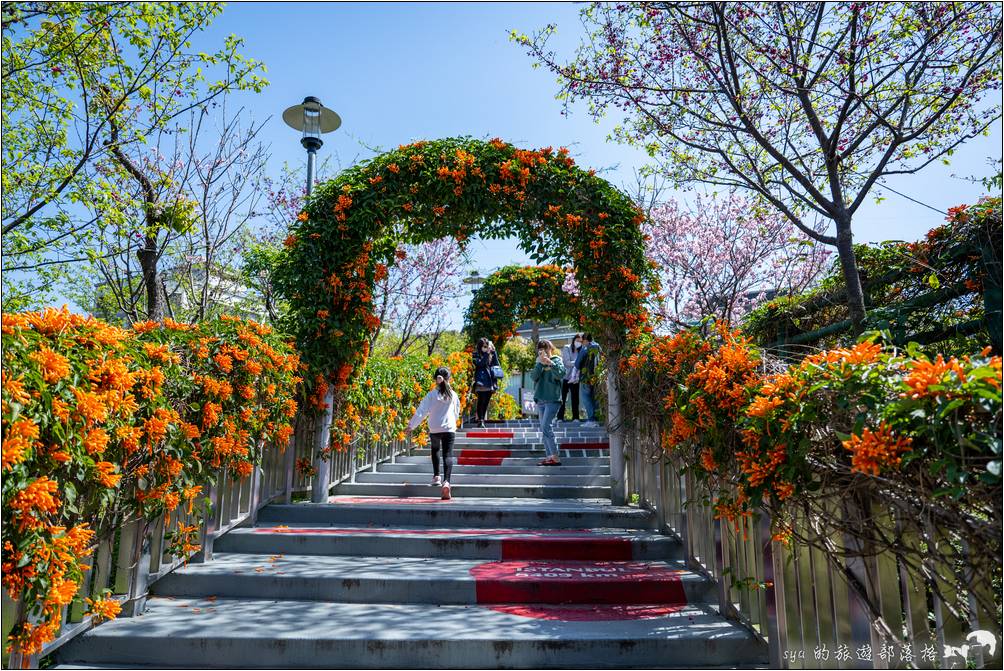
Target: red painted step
{"x":477,"y":452}
{"x":489,"y":434}
{"x":482,"y":457}
{"x":579,"y":582}
{"x":597,"y":549}
{"x":479,"y":461}
{"x":585,"y":446}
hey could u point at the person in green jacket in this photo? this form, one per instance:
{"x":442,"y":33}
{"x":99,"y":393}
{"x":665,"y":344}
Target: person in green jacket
{"x":547,"y":374}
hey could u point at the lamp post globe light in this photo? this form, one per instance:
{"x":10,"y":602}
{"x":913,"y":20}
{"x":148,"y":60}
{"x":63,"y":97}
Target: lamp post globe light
{"x":313,"y":119}
{"x":474,"y":280}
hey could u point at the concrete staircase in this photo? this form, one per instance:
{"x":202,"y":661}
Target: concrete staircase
{"x":527,"y":567}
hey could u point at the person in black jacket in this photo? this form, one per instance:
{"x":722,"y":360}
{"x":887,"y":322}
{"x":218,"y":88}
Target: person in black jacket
{"x":485,"y":383}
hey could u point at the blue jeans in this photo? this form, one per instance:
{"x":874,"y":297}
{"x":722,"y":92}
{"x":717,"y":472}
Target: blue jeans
{"x":548,"y":411}
{"x":589,"y":402}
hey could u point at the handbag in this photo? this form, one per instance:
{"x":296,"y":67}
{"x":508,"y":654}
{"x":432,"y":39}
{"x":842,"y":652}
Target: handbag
{"x":573,"y":377}
{"x":497,"y":371}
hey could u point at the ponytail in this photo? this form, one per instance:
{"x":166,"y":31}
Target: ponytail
{"x":443,"y":383}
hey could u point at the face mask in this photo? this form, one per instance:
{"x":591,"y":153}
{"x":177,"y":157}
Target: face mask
{"x":578,"y":343}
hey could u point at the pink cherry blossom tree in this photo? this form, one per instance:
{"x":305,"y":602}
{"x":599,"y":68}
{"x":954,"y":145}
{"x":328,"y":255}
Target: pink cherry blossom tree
{"x":412,"y":301}
{"x":723,"y":256}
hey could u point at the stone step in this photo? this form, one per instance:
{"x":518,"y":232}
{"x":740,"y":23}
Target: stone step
{"x":595,"y":443}
{"x":514,"y":451}
{"x":441,"y":581}
{"x":290,"y":634}
{"x":525,"y":422}
{"x":503,"y":491}
{"x":534,"y":424}
{"x":465,"y":543}
{"x":487,"y":478}
{"x":535,"y":433}
{"x":425,"y":466}
{"x":474,"y":512}
{"x":595,"y":460}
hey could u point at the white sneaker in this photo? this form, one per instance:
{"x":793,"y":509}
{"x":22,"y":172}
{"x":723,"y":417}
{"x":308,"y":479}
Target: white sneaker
{"x":436,"y":481}
{"x":590,"y":425}
{"x":446,"y":491}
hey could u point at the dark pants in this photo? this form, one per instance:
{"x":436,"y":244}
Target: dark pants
{"x":444,"y":441}
{"x":483,"y":398}
{"x":566,"y":387}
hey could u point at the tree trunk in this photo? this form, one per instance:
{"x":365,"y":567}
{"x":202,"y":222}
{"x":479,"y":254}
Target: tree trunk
{"x":433,"y":339}
{"x":322,"y":462}
{"x":992,"y":290}
{"x":154,"y":297}
{"x":852,"y":279}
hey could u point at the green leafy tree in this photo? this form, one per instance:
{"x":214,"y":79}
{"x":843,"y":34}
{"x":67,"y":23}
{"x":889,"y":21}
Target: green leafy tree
{"x":807,"y":104}
{"x":445,"y":343}
{"x":83,"y":84}
{"x":518,"y":355}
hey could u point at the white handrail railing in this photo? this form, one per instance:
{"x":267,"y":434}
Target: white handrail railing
{"x":798,"y":599}
{"x":136,"y":555}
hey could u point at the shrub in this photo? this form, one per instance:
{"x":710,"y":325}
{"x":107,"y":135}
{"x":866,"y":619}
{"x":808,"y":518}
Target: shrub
{"x":102,"y":425}
{"x":504,"y":406}
{"x":936,"y":291}
{"x":383,"y":398}
{"x":857,"y":438}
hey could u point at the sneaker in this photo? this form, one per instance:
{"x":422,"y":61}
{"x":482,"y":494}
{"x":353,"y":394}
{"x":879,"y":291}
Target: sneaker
{"x":481,"y":424}
{"x":446,"y":491}
{"x":436,"y":481}
{"x":590,"y":424}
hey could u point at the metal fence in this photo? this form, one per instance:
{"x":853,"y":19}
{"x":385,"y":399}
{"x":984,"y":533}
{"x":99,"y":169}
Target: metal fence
{"x":798,"y":599}
{"x":136,"y":554}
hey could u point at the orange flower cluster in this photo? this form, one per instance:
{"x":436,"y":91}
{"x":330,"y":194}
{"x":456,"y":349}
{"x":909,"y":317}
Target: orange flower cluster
{"x":35,"y":503}
{"x":105,"y":608}
{"x":862,"y":353}
{"x":791,"y":422}
{"x":87,"y":421}
{"x":18,"y":439}
{"x":874,"y":450}
{"x":934,"y":378}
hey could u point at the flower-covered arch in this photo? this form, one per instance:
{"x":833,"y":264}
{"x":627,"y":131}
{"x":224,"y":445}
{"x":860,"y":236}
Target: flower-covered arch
{"x":513,"y":294}
{"x":351,"y":227}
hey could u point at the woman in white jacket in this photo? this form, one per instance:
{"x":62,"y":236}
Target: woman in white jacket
{"x":442,"y":407}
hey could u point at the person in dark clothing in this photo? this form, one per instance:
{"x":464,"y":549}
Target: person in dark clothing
{"x":570,"y":383}
{"x":586,"y":361}
{"x":485,"y":382}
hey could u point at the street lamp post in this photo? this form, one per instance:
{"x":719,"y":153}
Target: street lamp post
{"x":314,"y":119}
{"x":474,"y":280}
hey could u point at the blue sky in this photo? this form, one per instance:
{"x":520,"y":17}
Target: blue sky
{"x":398,"y":72}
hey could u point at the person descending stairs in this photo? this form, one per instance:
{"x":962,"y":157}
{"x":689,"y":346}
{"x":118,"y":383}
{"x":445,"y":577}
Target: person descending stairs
{"x":527,"y":566}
